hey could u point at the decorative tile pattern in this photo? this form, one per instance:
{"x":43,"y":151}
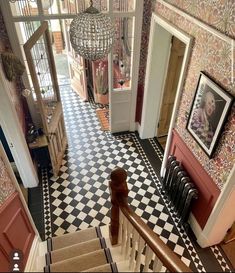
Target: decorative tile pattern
{"x":220,"y":259}
{"x":79,"y":196}
{"x":46,"y":203}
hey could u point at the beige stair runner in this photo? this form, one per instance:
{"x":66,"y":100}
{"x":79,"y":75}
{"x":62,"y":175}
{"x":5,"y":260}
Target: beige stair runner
{"x":82,"y":251}
{"x":73,"y":238}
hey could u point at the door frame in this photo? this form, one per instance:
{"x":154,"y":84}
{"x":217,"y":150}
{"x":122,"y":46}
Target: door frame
{"x":15,"y":136}
{"x":159,"y":51}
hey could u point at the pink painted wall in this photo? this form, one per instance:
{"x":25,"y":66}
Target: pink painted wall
{"x":209,"y":54}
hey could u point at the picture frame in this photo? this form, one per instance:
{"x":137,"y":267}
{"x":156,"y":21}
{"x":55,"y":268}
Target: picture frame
{"x":208,"y":113}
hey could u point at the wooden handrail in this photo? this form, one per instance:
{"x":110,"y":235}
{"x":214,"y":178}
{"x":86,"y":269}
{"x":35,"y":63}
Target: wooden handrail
{"x":119,"y":192}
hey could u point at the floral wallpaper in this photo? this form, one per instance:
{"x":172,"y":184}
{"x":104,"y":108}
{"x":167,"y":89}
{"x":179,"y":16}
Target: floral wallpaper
{"x":213,"y":56}
{"x":17,"y":99}
{"x":219,"y":14}
{"x":6,"y":186}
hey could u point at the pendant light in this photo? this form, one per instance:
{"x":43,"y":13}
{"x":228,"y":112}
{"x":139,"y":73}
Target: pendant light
{"x":92,"y":34}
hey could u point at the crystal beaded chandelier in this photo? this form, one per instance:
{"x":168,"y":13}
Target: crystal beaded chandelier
{"x":92,"y":34}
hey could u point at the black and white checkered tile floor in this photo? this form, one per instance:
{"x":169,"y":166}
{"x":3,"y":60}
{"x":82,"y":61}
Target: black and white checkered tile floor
{"x":79,"y":197}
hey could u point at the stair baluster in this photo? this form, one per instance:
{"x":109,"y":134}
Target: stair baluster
{"x":157,"y":265}
{"x":148,"y":257}
{"x":128,"y":241}
{"x":141,"y":244}
{"x":135,"y":234}
{"x":124,"y":238}
{"x":135,"y":239}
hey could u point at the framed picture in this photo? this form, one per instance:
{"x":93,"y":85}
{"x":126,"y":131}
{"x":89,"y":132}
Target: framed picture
{"x":208,"y":113}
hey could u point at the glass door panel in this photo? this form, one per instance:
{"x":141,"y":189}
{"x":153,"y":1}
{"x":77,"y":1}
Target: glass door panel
{"x":122,"y":53}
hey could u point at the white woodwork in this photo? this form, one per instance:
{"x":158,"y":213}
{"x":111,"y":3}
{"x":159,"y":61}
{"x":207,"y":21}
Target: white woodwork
{"x":148,"y":257}
{"x":155,"y":75}
{"x":135,"y":239}
{"x":222,"y":216}
{"x":120,"y":231}
{"x":139,"y":254}
{"x":14,"y":135}
{"x":124,"y":237}
{"x":123,"y":102}
{"x":132,"y":246}
{"x":157,"y":265}
{"x":128,"y":241}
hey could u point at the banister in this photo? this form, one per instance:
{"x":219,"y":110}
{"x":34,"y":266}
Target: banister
{"x":119,"y":193}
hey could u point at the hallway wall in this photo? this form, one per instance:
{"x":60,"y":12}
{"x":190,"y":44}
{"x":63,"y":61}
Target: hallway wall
{"x":212,"y":55}
{"x":6,"y":186}
{"x":15,"y":90}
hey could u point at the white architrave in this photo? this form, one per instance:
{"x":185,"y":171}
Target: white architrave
{"x":15,"y":137}
{"x":161,"y":32}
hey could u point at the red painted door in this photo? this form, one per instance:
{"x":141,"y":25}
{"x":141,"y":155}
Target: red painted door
{"x":16,"y":231}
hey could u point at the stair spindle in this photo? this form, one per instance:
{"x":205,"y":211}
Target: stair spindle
{"x":128,"y":241}
{"x":148,"y":257}
{"x":135,"y":239}
{"x":120,"y":231}
{"x":124,"y":239}
{"x":141,"y":244}
{"x":157,"y":265}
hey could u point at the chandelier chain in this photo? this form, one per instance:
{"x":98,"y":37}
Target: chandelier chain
{"x":91,"y":3}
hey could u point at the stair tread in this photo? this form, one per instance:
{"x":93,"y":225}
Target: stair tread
{"x":75,"y":250}
{"x":81,"y":263}
{"x":103,"y":268}
{"x":73,"y":238}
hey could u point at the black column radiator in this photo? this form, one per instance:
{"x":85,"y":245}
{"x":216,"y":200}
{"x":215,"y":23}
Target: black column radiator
{"x":178,"y":188}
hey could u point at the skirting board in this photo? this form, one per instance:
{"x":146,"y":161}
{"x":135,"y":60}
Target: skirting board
{"x":33,"y":254}
{"x":198,"y":232}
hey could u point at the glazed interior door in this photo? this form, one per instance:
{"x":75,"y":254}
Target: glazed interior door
{"x":173,"y":73}
{"x":77,"y":68}
{"x":40,"y":60}
{"x":124,"y":64}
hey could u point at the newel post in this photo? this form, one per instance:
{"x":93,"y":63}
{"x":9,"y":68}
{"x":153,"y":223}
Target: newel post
{"x":118,"y":188}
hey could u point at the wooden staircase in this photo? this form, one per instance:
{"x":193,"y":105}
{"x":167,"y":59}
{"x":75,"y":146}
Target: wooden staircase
{"x":127,"y":245}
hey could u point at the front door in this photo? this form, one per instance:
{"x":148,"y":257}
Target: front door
{"x":40,"y":60}
{"x":173,"y":73}
{"x":77,"y":67}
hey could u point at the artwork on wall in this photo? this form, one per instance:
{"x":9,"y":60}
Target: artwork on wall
{"x":208,"y":113}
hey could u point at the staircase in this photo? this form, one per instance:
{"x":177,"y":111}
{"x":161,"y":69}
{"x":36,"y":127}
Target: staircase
{"x":88,"y":250}
{"x":127,"y":245}
{"x":82,"y":251}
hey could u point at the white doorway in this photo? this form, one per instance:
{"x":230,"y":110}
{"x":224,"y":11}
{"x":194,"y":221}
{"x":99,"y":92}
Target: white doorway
{"x":170,"y":87}
{"x":161,"y":33}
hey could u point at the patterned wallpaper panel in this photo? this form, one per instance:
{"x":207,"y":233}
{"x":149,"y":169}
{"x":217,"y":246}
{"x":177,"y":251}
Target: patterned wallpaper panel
{"x":213,"y":56}
{"x":217,"y":13}
{"x":14,"y":90}
{"x":6,"y":186}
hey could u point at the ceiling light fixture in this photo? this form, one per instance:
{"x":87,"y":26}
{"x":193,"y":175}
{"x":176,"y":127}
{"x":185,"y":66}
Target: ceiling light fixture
{"x":92,"y":34}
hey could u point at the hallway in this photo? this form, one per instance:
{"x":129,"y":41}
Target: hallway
{"x":79,"y":197}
